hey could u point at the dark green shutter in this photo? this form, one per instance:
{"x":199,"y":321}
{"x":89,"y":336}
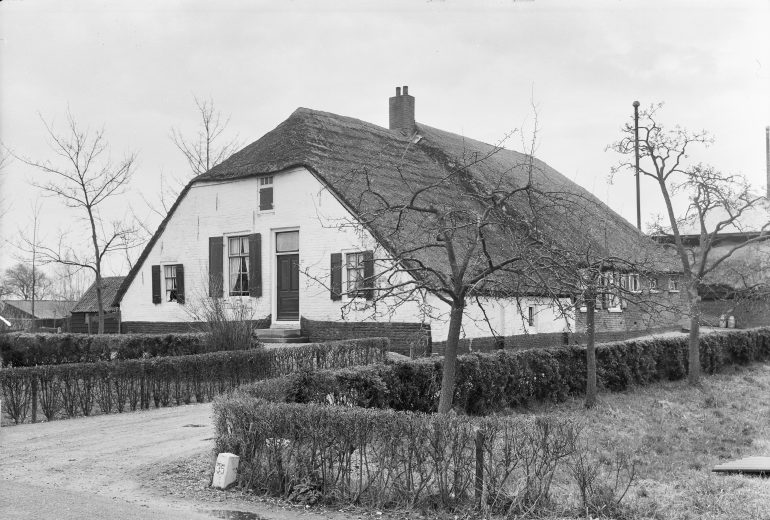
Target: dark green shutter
{"x":179,"y":283}
{"x":216,"y":282}
{"x":156,"y":284}
{"x":369,"y":274}
{"x":265,"y":199}
{"x":255,"y":265}
{"x":336,"y":276}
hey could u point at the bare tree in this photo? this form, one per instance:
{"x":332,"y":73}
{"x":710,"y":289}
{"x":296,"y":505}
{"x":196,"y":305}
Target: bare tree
{"x":207,"y":148}
{"x":716,"y":203}
{"x":482,"y":230}
{"x":84,"y":177}
{"x":25,"y":283}
{"x":70,"y":282}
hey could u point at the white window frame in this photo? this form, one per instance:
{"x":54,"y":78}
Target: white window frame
{"x":230,"y":288}
{"x":359,"y":294}
{"x":652,"y":285}
{"x":613,"y":280}
{"x":634,"y":283}
{"x":673,"y":284}
{"x":166,"y":278}
{"x":531,"y":316}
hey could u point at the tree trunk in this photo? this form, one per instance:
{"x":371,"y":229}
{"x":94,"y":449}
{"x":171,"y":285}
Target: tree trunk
{"x":590,"y":352}
{"x":693,"y":372}
{"x":99,"y":302}
{"x":450,"y":359}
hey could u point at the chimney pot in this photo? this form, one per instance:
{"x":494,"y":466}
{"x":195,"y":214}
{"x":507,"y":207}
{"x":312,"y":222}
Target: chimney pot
{"x":406,"y":90}
{"x":398,"y":91}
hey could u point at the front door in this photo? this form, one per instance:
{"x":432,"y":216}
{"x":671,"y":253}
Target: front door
{"x":288,"y":287}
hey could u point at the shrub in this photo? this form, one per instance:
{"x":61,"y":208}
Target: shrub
{"x":29,"y":349}
{"x":385,"y":458}
{"x":73,"y":389}
{"x":503,"y":379}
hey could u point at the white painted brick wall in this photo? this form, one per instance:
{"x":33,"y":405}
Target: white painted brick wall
{"x":301,"y":202}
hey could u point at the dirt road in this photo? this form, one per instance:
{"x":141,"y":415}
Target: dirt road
{"x":131,"y":466}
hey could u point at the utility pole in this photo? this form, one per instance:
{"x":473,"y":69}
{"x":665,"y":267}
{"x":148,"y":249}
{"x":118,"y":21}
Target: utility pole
{"x":636,"y":151}
{"x":767,"y":158}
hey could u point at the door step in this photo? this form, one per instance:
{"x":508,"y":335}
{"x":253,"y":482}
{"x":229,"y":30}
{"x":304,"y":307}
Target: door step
{"x":296,"y":339}
{"x":281,"y":336}
{"x":278,"y":333}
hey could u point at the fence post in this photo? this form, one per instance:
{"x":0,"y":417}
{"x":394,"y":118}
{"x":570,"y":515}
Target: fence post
{"x":479,"y":484}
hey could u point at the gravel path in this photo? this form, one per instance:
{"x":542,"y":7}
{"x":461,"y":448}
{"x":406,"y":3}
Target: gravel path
{"x":121,"y":466}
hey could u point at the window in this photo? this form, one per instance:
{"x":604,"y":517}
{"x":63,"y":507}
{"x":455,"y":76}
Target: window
{"x":169,"y":273}
{"x":652,"y":284}
{"x":287,"y":242}
{"x":266,"y":193}
{"x":531,"y":316}
{"x":354,"y":266}
{"x":673,"y":284}
{"x":238,"y":253}
{"x":633,"y":283}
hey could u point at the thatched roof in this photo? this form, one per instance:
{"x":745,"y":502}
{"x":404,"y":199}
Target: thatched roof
{"x":364,"y":164}
{"x":110,"y":286}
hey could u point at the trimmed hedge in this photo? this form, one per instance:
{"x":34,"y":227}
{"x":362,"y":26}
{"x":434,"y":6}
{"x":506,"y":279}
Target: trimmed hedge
{"x":30,"y":349}
{"x":384,"y":458}
{"x":495,"y":381}
{"x":73,"y":389}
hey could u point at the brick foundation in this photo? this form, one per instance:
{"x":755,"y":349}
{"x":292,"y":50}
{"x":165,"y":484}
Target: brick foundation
{"x":162,"y":327}
{"x":409,"y":339}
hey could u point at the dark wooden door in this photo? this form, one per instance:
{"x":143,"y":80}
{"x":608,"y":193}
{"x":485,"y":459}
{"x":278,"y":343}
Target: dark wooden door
{"x":288,"y":287}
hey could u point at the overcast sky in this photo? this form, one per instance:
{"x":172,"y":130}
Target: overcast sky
{"x":475,"y":68}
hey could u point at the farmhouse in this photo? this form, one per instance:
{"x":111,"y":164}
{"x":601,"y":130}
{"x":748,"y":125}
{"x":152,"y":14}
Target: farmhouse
{"x":284,"y":228}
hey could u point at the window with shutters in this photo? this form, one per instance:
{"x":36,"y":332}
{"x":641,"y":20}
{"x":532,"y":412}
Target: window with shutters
{"x":238,"y":255}
{"x":169,"y":273}
{"x":266,"y":193}
{"x":356,"y":277}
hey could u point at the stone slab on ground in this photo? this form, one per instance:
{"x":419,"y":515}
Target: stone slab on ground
{"x":749,"y":465}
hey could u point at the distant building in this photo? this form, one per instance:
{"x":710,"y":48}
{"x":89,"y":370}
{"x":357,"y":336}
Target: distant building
{"x":740,"y":285}
{"x":85,"y":315}
{"x":49,"y":314}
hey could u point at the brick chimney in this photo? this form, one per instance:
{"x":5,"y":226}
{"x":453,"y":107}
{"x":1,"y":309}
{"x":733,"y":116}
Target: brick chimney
{"x":402,"y":111}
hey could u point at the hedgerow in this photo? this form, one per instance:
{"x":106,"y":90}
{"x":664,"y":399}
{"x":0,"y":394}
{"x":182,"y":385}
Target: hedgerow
{"x":386,"y":458}
{"x":30,"y":349}
{"x":504,"y":379}
{"x":72,"y":389}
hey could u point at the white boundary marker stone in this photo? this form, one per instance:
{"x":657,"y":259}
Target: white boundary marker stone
{"x":226,"y":470}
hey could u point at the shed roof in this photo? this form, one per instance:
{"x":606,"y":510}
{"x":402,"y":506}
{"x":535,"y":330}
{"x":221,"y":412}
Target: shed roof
{"x":110,"y":286}
{"x":44,"y":309}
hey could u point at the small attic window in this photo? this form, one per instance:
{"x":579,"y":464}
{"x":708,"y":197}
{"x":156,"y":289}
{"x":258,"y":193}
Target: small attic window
{"x":266,"y":193}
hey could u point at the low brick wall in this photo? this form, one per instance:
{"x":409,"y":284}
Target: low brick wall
{"x":528,"y":341}
{"x":405,"y":338}
{"x":162,"y":327}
